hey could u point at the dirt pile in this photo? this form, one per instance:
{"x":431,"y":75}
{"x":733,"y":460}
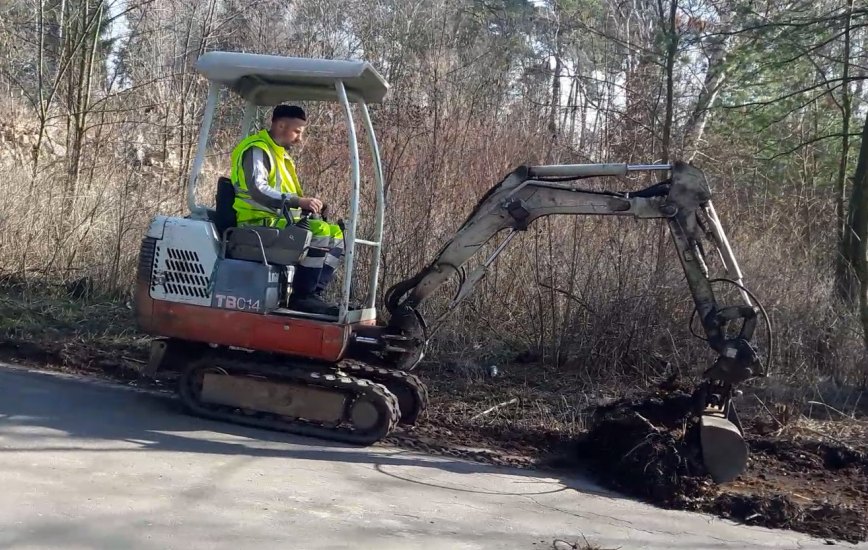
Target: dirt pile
{"x":116,"y":362}
{"x":805,"y":485}
{"x":647,"y":447}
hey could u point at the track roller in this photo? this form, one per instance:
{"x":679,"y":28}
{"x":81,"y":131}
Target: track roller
{"x":408,"y":388}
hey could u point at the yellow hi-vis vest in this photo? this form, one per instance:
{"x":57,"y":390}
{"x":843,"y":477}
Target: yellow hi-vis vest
{"x":281,"y":177}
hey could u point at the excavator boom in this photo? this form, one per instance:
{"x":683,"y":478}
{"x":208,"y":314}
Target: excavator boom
{"x":683,"y":201}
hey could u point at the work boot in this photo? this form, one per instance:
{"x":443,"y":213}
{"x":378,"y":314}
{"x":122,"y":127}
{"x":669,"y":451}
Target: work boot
{"x":312,"y":303}
{"x":353,"y":304}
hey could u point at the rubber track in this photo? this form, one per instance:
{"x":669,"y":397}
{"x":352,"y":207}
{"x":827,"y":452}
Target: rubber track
{"x":397,"y":381}
{"x":385,"y":403}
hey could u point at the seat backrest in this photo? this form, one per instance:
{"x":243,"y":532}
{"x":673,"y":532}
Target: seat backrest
{"x":225,"y":213}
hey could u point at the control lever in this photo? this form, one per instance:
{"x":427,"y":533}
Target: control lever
{"x":286,"y":213}
{"x":306,"y":215}
{"x":324,"y":214}
{"x":303,"y":219}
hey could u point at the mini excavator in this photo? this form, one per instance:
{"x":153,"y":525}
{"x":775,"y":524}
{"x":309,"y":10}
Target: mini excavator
{"x":215,"y":296}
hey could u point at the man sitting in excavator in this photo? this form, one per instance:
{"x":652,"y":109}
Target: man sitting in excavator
{"x":266,"y":183}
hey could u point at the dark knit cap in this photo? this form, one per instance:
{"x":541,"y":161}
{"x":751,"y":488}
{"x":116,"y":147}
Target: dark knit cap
{"x":288,"y":111}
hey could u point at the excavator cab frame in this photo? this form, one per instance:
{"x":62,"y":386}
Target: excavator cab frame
{"x":268,"y":80}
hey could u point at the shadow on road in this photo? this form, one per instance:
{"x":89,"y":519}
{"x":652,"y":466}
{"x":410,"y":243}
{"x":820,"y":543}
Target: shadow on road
{"x":84,"y":412}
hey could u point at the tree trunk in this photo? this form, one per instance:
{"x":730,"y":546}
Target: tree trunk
{"x":556,"y":94}
{"x":670,"y":55}
{"x":665,"y":147}
{"x":843,"y":273}
{"x":40,"y":81}
{"x":858,"y":229}
{"x":715,"y":76}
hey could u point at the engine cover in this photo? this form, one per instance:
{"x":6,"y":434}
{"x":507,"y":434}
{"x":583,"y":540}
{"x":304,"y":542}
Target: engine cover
{"x":185,"y":251}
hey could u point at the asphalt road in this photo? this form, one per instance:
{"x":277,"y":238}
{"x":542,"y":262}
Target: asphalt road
{"x":86,"y":464}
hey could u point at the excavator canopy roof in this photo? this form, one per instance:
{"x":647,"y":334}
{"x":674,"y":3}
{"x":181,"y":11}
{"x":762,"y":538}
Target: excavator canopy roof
{"x":270,"y":79}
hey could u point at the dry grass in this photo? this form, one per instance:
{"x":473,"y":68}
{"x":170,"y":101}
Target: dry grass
{"x":579,"y":294}
{"x":54,"y":323}
{"x":522,"y":397}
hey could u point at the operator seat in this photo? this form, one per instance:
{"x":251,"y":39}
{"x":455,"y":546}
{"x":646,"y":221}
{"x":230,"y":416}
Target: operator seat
{"x":224,"y":213}
{"x":255,"y":244}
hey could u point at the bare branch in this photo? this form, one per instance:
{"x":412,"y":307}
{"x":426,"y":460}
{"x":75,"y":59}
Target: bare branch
{"x":806,"y":143}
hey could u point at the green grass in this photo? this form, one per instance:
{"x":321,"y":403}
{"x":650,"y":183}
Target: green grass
{"x":42,"y":326}
{"x":30,"y":312}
